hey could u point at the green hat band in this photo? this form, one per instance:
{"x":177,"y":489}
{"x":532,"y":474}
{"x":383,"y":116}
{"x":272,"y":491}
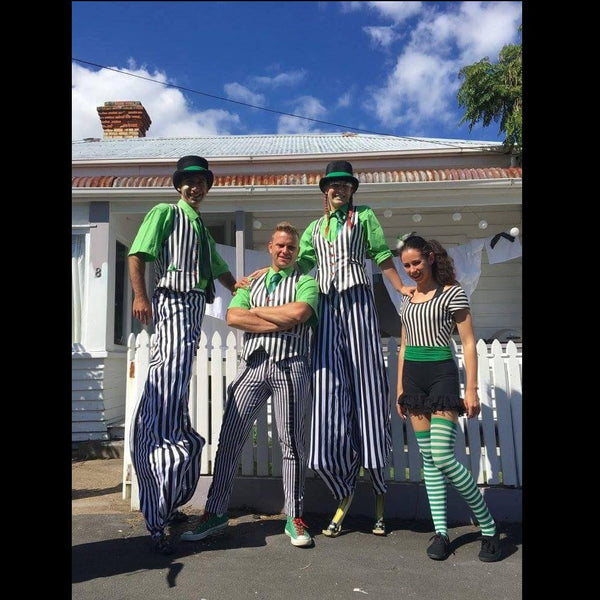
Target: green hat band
{"x":338,"y":174}
{"x":194,"y":169}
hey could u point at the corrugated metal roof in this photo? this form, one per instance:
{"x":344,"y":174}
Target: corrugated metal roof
{"x":411,"y":175}
{"x":261,"y":145}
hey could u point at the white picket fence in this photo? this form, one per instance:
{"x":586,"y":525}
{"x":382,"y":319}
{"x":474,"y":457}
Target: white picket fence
{"x":489,"y":446}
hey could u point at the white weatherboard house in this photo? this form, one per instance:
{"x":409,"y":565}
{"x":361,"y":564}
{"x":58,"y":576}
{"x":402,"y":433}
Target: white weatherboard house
{"x":462,"y":193}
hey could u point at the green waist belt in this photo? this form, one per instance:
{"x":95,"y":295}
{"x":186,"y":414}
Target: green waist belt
{"x":427,"y":353}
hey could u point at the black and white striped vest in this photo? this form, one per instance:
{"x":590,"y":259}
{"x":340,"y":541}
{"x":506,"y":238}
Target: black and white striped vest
{"x":176,"y":267}
{"x":279,"y":344}
{"x":341,"y":263}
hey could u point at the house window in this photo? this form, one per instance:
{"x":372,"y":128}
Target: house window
{"x":125,"y":324}
{"x":121,"y":313}
{"x":222,"y":230}
{"x":217,"y":232}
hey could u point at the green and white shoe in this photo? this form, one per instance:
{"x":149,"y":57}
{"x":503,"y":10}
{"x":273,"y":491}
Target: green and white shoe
{"x":209,"y":524}
{"x":296,"y":529}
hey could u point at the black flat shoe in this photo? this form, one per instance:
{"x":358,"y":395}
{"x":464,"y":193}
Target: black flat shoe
{"x":439,"y":549}
{"x":163,"y":545}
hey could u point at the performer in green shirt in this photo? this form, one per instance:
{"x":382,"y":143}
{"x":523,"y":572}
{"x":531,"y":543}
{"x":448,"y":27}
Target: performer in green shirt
{"x":277,"y":313}
{"x":165,"y":448}
{"x":351,"y":424}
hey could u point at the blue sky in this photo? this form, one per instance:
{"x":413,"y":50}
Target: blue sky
{"x":381,"y":67}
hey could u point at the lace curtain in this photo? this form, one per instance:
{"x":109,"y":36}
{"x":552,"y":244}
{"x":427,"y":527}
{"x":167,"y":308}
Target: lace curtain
{"x":77,"y":285}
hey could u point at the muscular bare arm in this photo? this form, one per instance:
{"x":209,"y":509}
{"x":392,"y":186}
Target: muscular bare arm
{"x":242,"y":318}
{"x":141,"y":307}
{"x":263,"y":319}
{"x":286,"y":316}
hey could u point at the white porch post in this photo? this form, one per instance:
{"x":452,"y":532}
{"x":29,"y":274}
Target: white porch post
{"x":98,"y":278}
{"x":240,"y":247}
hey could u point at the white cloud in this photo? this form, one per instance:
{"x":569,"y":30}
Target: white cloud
{"x":281,"y":79}
{"x":349,"y":6}
{"x":476,"y":30}
{"x":417,"y":89}
{"x":236,"y":91}
{"x":306,"y":106}
{"x":344,"y":100}
{"x":167,"y":107}
{"x":380,"y":36}
{"x":397,"y":11}
{"x":482,"y":29}
{"x":422,"y":85}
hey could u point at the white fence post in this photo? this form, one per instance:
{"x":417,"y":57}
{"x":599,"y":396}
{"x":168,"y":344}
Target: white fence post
{"x":513,"y":369}
{"x":130,"y":402}
{"x":134,"y":393}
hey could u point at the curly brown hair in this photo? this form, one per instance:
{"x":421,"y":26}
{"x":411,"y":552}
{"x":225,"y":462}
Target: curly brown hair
{"x":442,"y":269}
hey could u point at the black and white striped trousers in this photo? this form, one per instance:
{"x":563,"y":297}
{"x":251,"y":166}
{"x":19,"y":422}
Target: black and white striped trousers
{"x":165,"y":448}
{"x":289,"y":383}
{"x":351,"y":420}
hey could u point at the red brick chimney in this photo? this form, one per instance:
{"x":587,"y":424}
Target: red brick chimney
{"x":124,"y":119}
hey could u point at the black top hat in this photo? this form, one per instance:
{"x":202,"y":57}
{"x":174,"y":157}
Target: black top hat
{"x":338,"y":170}
{"x":192,"y":165}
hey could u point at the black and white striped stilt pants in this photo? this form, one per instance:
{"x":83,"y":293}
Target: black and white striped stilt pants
{"x":351,"y":421}
{"x":289,"y":383}
{"x":165,"y":448}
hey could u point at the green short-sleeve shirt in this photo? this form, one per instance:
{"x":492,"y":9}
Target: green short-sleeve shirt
{"x":156,"y":228}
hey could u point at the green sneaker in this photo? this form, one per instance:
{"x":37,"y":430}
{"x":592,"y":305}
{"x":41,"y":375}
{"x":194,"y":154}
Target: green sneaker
{"x":209,"y":524}
{"x":296,"y":528}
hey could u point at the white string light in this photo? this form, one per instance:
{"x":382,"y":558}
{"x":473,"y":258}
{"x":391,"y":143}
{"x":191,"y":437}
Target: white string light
{"x":482,"y":224}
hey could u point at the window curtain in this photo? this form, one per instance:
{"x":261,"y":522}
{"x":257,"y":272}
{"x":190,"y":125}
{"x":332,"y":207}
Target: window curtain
{"x":78,"y":285}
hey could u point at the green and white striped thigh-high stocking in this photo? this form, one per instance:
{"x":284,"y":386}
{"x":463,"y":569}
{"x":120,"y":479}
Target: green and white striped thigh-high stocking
{"x":443,"y":436}
{"x":435,"y":484}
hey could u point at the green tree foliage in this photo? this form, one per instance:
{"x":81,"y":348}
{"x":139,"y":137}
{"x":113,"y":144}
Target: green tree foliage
{"x":493,"y":92}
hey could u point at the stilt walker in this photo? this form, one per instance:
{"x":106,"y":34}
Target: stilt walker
{"x":165,"y":448}
{"x":351,"y":424}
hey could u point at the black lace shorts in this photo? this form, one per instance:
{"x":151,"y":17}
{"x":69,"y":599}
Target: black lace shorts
{"x":430,"y":386}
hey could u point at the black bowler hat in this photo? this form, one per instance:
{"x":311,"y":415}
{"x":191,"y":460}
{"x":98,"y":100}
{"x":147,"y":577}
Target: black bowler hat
{"x":192,"y":165}
{"x":338,"y":170}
